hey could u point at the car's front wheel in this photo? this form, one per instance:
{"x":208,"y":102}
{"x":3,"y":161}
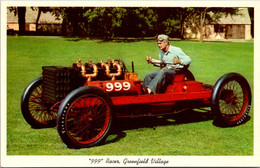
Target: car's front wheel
{"x":85,"y":117}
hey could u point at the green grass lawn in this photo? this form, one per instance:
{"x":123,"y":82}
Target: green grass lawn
{"x":189,"y":133}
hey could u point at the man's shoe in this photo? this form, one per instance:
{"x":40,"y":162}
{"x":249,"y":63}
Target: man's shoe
{"x":149,"y":91}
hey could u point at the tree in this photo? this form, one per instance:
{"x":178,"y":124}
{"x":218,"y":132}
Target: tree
{"x":107,"y":22}
{"x":202,"y":12}
{"x":20,"y":11}
{"x":72,"y":18}
{"x":251,"y":14}
{"x":183,"y":15}
{"x":40,"y":10}
{"x":167,"y":18}
{"x":137,"y":22}
{"x":102,"y":22}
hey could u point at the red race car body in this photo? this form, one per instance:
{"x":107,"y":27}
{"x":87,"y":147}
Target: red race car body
{"x":82,"y":100}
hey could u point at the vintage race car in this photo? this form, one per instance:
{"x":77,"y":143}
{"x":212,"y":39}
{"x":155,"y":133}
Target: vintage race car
{"x":82,"y":100}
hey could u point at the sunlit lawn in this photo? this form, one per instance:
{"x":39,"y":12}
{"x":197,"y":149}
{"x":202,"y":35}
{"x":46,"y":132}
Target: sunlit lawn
{"x":190,"y":133}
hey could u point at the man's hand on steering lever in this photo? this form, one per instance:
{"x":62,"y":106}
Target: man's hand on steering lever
{"x":176,"y":60}
{"x":148,"y":58}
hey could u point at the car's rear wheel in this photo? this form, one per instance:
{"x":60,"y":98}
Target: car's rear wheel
{"x":231,"y":99}
{"x":34,"y":110}
{"x":85,"y":117}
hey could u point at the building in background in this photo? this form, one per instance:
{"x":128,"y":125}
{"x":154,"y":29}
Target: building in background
{"x":227,"y":27}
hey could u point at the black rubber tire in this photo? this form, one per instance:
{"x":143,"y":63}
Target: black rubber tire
{"x":231,"y":99}
{"x":33,"y":108}
{"x":85,"y":117}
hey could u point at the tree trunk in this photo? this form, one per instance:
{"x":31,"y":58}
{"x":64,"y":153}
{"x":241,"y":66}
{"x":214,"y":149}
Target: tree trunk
{"x":201,"y":27}
{"x":182,"y":28}
{"x":202,"y":21}
{"x":38,"y":18}
{"x":21,"y":20}
{"x":64,"y":27}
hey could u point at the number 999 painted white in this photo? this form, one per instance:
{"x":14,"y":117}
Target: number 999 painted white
{"x":118,"y":86}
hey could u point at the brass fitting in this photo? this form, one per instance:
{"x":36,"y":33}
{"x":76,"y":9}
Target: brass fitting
{"x":83,"y":70}
{"x":112,"y":75}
